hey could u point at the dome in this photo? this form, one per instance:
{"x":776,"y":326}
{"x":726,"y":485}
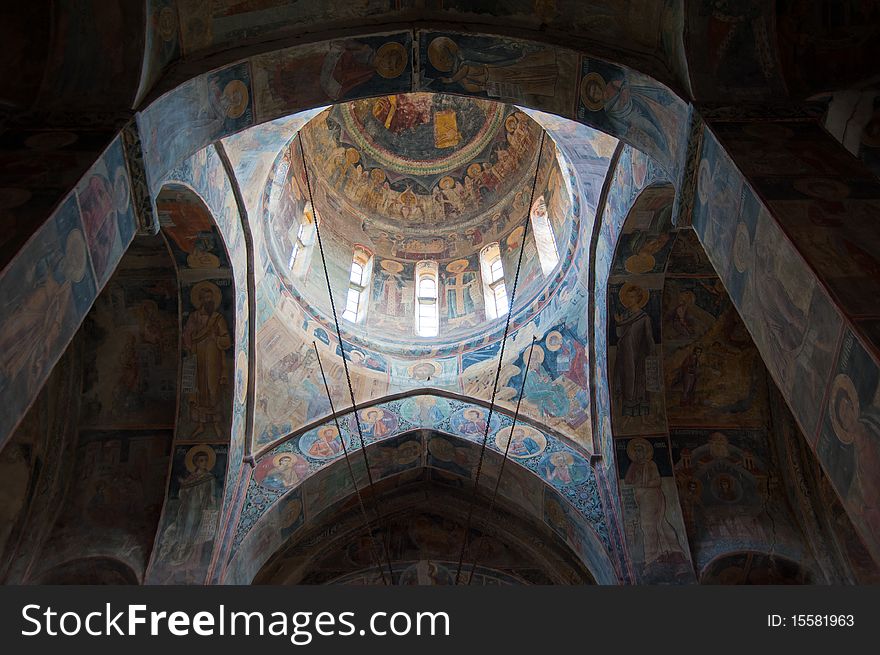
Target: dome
{"x":416,"y":186}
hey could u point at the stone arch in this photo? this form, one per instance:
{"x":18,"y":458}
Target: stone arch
{"x":423,"y":518}
{"x":543,"y":459}
{"x":206,"y":409}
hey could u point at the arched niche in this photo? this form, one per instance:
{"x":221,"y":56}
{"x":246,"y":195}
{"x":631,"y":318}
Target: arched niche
{"x":295,"y":483}
{"x":185,"y":541}
{"x":424,"y":513}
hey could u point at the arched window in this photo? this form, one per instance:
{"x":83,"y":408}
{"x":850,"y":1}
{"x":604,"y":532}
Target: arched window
{"x":358,"y":284}
{"x":494,"y":289}
{"x":548,"y":253}
{"x":302,"y":240}
{"x":427,"y":310}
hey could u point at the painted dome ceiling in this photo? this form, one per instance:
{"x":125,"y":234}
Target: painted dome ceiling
{"x":421,"y":164}
{"x":414,"y":179}
{"x":363,"y":178}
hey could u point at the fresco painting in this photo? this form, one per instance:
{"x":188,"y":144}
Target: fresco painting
{"x":41,"y":313}
{"x":107,"y":211}
{"x":324,"y":443}
{"x":452,"y":458}
{"x":634,"y":108}
{"x":131,"y":337}
{"x":191,"y":515}
{"x":849,"y":441}
{"x":634,"y":357}
{"x":282,"y":471}
{"x":285,"y":80}
{"x":196,"y":114}
{"x":712,"y":370}
{"x":654,"y":531}
{"x":507,"y":70}
{"x":728,"y":500}
{"x":119,"y":484}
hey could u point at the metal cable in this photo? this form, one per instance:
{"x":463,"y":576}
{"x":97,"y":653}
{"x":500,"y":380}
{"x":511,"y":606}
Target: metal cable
{"x":506,"y":450}
{"x":342,"y":353}
{"x":522,"y":246}
{"x":367,"y":522}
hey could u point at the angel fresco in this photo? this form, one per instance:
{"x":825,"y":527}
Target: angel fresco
{"x":505,"y":70}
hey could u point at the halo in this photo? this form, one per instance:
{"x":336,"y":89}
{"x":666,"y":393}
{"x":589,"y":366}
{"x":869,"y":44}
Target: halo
{"x":436,"y":367}
{"x":441,"y":449}
{"x":503,"y":436}
{"x":624,"y":292}
{"x":276,"y":460}
{"x":391,"y":265}
{"x":589,"y":102}
{"x":630,"y":449}
{"x":474,"y":169}
{"x":401,"y":456}
{"x":640,"y":263}
{"x":75,"y":256}
{"x":537,"y":355}
{"x":742,"y":247}
{"x":391,"y":60}
{"x":842,"y":384}
{"x":377,"y":175}
{"x":553,"y":333}
{"x":121,"y":195}
{"x":241,"y":364}
{"x":194,"y":293}
{"x":365,"y":413}
{"x":441,"y":53}
{"x":457,"y":266}
{"x":446,"y":183}
{"x":236,"y":89}
{"x":511,"y":123}
{"x":195,"y":450}
{"x":704,"y":181}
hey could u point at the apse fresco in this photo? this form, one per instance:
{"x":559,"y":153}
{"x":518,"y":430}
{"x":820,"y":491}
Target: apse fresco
{"x":296,"y":460}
